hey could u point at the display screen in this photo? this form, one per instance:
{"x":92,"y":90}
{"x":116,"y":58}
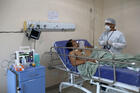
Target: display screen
{"x":35,"y":34}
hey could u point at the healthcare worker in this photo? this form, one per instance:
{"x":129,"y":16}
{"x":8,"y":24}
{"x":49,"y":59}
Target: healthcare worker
{"x":112,"y":39}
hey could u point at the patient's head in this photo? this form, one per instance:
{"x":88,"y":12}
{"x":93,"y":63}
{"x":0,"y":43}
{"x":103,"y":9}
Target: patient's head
{"x":72,"y":43}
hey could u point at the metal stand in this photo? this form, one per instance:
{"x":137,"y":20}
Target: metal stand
{"x":73,"y":84}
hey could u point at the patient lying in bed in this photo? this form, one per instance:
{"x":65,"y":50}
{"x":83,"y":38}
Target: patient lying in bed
{"x":78,"y":52}
{"x":87,"y":67}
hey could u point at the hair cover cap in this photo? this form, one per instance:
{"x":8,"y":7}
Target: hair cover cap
{"x":110,"y":20}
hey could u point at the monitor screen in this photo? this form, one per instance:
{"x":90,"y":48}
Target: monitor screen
{"x":35,"y":34}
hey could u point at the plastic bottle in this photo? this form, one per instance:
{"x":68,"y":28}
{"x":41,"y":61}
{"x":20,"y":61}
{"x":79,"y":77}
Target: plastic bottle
{"x":81,"y":44}
{"x":24,"y":63}
{"x":36,"y":59}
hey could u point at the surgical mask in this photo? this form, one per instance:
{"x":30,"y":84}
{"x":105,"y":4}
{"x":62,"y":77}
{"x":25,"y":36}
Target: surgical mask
{"x":107,"y":28}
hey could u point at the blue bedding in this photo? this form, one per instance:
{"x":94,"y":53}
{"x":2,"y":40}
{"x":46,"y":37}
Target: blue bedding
{"x":123,"y":75}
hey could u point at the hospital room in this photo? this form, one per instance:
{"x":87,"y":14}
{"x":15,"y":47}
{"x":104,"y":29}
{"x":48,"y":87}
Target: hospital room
{"x":69,"y":46}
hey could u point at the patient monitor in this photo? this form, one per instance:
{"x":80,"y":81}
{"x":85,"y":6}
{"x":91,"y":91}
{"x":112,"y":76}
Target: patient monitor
{"x":25,"y":54}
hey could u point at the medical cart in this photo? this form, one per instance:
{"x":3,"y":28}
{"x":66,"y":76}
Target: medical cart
{"x":31,"y":80}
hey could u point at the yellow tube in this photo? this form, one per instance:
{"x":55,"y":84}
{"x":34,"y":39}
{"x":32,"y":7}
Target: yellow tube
{"x":25,"y":25}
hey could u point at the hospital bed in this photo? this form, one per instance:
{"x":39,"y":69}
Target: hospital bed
{"x":110,"y":77}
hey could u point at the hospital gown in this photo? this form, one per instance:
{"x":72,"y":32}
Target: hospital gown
{"x":116,"y":37}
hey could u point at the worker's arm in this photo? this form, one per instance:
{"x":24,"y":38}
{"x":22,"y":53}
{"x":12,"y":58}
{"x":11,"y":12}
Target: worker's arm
{"x":121,"y":42}
{"x":101,"y":40}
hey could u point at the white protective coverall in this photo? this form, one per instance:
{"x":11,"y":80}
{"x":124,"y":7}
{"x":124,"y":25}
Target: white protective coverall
{"x":116,"y":37}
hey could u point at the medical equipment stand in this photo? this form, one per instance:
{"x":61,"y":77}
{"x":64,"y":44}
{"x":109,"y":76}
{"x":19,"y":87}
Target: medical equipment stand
{"x":31,"y":80}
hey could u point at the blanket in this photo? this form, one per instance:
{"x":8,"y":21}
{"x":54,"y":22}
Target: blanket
{"x":88,"y":69}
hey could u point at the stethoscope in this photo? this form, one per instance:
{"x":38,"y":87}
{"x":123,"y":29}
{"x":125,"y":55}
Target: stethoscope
{"x":108,"y":37}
